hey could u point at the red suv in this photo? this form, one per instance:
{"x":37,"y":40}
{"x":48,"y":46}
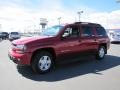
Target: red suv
{"x":60,"y":44}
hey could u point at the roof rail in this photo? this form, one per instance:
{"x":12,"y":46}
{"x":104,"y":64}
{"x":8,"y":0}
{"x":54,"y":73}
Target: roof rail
{"x":86,"y":23}
{"x":79,"y":22}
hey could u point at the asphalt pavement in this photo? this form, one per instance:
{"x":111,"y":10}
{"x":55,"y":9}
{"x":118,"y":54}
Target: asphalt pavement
{"x":84,"y":75}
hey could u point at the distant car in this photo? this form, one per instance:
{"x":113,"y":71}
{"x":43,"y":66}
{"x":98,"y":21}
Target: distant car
{"x":4,"y":35}
{"x":14,"y":36}
{"x":0,"y":36}
{"x":114,"y":35}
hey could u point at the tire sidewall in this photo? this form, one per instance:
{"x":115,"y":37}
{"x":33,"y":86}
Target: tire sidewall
{"x":36,"y":59}
{"x":98,"y":57}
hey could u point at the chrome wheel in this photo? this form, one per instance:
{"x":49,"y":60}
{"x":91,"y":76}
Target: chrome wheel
{"x":101,"y":52}
{"x":44,"y":63}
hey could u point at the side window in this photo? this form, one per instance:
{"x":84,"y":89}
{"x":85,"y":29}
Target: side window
{"x":87,"y":31}
{"x":71,"y":32}
{"x":101,"y":31}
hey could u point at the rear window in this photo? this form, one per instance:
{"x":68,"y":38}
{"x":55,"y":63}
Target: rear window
{"x":101,"y":31}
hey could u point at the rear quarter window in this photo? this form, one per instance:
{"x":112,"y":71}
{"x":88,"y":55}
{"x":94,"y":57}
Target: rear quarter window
{"x":101,"y":31}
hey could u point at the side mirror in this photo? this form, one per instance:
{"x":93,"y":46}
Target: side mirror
{"x":65,"y":35}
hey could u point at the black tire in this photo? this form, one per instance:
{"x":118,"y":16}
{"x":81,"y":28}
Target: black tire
{"x":100,"y":53}
{"x":40,"y":64}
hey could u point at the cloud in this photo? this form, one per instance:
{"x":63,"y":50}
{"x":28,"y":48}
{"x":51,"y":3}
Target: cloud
{"x":108,"y":20}
{"x":14,"y":18}
{"x":14,"y":15}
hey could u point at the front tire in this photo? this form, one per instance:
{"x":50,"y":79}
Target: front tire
{"x":100,"y":53}
{"x":42,"y":62}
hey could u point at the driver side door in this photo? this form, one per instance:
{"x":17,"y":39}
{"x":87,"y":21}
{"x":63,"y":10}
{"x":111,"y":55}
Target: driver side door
{"x":70,"y":43}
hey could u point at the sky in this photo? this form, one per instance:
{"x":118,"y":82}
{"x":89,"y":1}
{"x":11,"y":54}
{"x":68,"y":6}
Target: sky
{"x":24,"y":15}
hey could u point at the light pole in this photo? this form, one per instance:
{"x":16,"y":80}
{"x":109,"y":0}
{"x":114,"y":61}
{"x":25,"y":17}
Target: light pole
{"x":59,"y":20}
{"x":79,"y":14}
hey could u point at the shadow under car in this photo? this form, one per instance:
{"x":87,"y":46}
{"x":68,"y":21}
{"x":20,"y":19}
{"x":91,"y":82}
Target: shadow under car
{"x":71,"y":70}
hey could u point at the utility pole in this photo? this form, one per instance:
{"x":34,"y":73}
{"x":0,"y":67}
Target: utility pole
{"x":79,"y":14}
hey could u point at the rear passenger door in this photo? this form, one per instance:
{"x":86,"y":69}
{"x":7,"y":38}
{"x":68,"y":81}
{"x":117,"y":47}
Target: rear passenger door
{"x":88,"y":39}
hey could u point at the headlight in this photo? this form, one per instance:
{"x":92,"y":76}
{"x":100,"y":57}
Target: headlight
{"x":19,"y":48}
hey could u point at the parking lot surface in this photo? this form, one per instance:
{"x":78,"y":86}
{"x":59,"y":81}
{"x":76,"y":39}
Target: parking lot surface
{"x":84,"y":75}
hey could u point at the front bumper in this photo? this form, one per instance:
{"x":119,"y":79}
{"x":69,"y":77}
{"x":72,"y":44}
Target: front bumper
{"x":21,"y":59}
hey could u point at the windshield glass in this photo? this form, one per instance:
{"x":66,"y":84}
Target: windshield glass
{"x":52,"y":31}
{"x":15,"y":33}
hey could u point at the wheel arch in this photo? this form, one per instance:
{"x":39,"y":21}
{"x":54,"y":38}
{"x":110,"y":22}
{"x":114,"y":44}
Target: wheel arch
{"x":50,"y":50}
{"x":105,"y":45}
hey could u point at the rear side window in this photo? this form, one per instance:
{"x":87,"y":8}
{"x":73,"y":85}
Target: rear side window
{"x":87,"y":31}
{"x":101,"y":31}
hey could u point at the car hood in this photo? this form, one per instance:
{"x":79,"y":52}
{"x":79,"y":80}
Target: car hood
{"x":26,"y":40}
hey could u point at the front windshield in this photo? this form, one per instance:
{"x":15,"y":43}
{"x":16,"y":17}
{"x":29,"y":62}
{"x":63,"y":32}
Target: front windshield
{"x":52,"y":31}
{"x":15,"y":33}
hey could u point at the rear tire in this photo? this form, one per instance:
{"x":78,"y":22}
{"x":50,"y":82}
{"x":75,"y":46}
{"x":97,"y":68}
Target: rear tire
{"x":100,"y":53}
{"x":42,"y":62}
